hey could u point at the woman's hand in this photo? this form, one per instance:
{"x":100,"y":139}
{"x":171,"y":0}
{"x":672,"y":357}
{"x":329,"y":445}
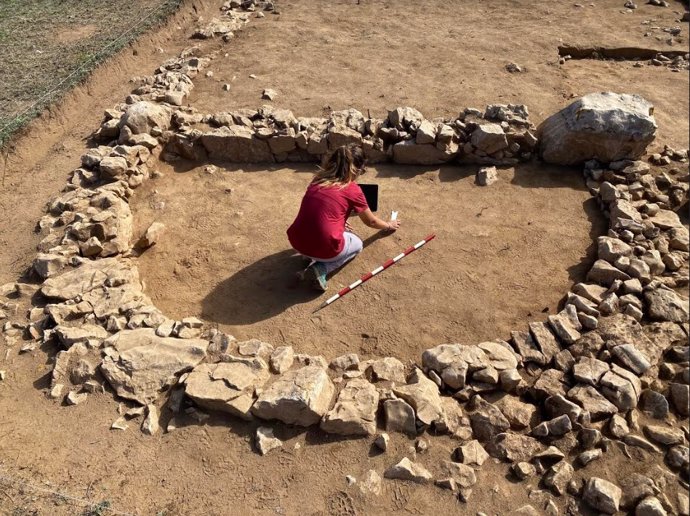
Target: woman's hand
{"x":393,"y":225}
{"x":348,"y":227}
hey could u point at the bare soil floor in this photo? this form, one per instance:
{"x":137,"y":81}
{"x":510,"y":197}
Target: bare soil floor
{"x":437,"y":57}
{"x":502,"y":256}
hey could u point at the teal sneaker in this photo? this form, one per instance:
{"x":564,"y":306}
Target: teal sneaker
{"x":316,"y":274}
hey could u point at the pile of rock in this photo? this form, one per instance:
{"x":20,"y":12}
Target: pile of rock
{"x":234,"y":14}
{"x":500,"y":135}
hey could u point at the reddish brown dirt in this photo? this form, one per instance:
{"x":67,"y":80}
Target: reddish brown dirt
{"x":501,"y":255}
{"x":437,"y":57}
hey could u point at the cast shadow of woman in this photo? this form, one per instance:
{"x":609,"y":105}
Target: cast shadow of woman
{"x":263,"y":289}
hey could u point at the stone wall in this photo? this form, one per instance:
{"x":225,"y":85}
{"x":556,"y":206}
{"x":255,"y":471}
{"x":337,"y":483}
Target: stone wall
{"x":538,"y":401}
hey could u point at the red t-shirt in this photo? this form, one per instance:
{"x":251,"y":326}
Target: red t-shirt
{"x":318,"y":229}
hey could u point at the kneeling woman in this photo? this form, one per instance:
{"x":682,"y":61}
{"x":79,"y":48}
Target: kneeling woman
{"x":321,"y":231}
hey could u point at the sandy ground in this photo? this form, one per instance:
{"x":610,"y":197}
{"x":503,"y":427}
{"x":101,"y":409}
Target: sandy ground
{"x":439,"y":58}
{"x":502,"y":256}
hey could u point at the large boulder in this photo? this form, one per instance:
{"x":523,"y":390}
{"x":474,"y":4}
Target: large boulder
{"x":227,"y":386}
{"x":91,"y":275}
{"x":143,"y":116}
{"x":407,"y":152}
{"x":237,"y":144}
{"x":138,"y":364}
{"x":424,"y":397}
{"x":604,"y":126}
{"x":299,"y":397}
{"x":354,"y":412}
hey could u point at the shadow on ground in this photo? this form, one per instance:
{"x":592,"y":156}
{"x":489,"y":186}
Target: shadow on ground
{"x":258,"y":291}
{"x":269,"y":287}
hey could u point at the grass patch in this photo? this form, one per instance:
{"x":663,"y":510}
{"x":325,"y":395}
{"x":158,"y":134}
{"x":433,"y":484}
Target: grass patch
{"x":50,"y":46}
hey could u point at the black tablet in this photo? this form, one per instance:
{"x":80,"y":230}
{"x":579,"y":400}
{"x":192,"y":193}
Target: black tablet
{"x":371,"y":192}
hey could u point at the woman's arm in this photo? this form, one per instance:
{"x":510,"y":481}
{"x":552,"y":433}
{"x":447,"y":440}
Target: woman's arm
{"x":372,"y":221}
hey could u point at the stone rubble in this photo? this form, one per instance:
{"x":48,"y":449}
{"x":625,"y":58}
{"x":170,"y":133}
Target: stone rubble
{"x":540,"y":401}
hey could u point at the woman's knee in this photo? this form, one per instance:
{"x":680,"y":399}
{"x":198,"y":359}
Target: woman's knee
{"x":356,"y":244}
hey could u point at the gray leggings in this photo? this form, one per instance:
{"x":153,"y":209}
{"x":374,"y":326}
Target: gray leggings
{"x":352,"y":247}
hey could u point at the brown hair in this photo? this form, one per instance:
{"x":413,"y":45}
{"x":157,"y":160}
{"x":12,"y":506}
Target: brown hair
{"x":342,"y":166}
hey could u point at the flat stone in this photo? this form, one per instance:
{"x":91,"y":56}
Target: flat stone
{"x":589,"y":370}
{"x":254,"y":348}
{"x":565,"y":326}
{"x":619,"y":391}
{"x":90,"y":275}
{"x":666,"y":305}
{"x":371,"y":483}
{"x":604,"y":273}
{"x":664,"y":435}
{"x":592,"y":401}
{"x":545,"y":340}
{"x":424,"y":397}
{"x":640,"y":442}
{"x":407,"y":152}
{"x":75,"y":398}
{"x":387,"y":369}
{"x":139,"y":364}
{"x":298,"y":397}
{"x":399,"y":417}
{"x":355,"y":409}
{"x":498,"y":355}
{"x":462,"y":474}
{"x":591,"y":291}
{"x":527,"y":347}
{"x":227,"y":386}
{"x":90,"y":334}
{"x":489,"y":138}
{"x":282,"y":359}
{"x":549,"y":383}
{"x":408,"y":470}
{"x":631,"y":358}
{"x":345,"y":362}
{"x":236,"y":143}
{"x":667,"y":220}
{"x":514,"y":447}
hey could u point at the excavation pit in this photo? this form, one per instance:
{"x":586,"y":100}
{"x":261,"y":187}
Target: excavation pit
{"x":503,"y":254}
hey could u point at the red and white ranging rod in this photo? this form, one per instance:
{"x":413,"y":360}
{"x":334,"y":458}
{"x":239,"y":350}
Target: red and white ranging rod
{"x":376,"y":271}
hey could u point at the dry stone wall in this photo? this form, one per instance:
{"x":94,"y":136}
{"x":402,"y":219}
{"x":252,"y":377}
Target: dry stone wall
{"x":499,"y":135}
{"x":555,"y":393}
